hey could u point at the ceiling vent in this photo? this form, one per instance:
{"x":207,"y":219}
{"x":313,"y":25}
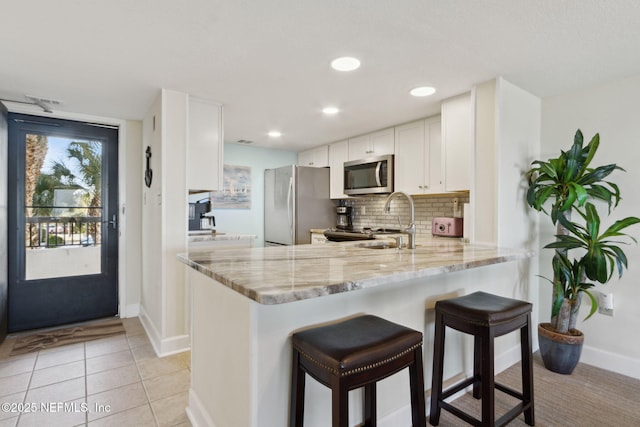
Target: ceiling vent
{"x":44,"y":103}
{"x":36,"y":99}
{"x":244,"y":141}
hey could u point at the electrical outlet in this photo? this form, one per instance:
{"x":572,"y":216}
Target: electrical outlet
{"x":456,"y":208}
{"x":605,"y":303}
{"x":363,"y":210}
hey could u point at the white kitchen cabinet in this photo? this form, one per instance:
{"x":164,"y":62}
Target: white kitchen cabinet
{"x":457,"y":142}
{"x":372,"y":144}
{"x":338,"y":154}
{"x":317,"y":157}
{"x":418,"y":157}
{"x":204,"y":145}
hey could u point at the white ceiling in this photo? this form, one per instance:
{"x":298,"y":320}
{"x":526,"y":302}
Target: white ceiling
{"x":267,"y":61}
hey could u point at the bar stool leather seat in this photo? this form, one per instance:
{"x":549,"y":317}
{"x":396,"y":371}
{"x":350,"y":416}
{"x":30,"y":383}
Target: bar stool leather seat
{"x":485,"y":316}
{"x":355,"y":353}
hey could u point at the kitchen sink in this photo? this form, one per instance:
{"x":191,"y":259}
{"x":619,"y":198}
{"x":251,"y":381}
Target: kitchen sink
{"x":377,"y":245}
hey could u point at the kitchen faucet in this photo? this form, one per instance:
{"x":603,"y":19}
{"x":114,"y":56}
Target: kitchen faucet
{"x":411,"y":228}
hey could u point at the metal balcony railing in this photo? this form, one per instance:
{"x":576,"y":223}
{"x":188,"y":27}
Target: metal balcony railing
{"x":63,"y":230}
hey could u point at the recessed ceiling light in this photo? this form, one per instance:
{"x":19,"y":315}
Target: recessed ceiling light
{"x":422,"y":91}
{"x":330,"y":110}
{"x":274,"y":134}
{"x":346,"y":63}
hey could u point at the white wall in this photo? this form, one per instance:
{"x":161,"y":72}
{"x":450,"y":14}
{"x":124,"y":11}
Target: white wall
{"x":151,"y":292}
{"x":507,"y":139}
{"x":518,"y":122}
{"x":163,"y":305}
{"x":174,"y":208}
{"x":251,"y":221}
{"x":131,"y":218}
{"x":484,"y":192}
{"x":612,"y":110}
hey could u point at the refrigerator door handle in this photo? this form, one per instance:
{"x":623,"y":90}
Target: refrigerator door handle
{"x":378,"y":177}
{"x":290,"y":208}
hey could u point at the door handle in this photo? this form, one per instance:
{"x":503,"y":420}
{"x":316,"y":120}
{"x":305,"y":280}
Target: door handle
{"x":114,"y":221}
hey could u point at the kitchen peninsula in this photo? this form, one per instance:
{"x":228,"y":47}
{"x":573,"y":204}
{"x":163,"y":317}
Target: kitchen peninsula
{"x":247,"y":302}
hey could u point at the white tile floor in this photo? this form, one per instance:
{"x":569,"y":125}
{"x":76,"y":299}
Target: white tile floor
{"x":116,"y":381}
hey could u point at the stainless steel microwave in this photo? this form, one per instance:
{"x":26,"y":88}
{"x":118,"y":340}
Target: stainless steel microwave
{"x":373,"y":175}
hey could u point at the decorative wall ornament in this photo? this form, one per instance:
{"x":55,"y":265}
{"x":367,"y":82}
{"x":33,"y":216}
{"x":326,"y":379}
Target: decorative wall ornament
{"x":148,"y":173}
{"x":236,"y":190}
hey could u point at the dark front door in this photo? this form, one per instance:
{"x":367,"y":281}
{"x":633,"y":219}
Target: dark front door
{"x":4,"y":145}
{"x":63,"y":221}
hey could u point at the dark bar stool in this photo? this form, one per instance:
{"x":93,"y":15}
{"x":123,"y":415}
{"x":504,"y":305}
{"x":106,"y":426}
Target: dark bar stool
{"x":356,"y":353}
{"x":484,"y":316}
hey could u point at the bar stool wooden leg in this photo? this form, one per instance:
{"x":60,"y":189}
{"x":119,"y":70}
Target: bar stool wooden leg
{"x":416,"y":379}
{"x":296,"y":407}
{"x":477,"y":366}
{"x":488,"y":389}
{"x":370,"y":402}
{"x":438,"y":359}
{"x":340,"y":405}
{"x":527,"y":371}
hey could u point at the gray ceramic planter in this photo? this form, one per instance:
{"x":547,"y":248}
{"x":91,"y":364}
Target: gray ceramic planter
{"x":560,"y":353}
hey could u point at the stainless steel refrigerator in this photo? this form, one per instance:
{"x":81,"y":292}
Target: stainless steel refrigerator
{"x":296,"y":199}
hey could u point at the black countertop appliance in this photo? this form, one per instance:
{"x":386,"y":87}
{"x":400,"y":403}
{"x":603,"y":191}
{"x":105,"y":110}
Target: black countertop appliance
{"x":196,"y":214}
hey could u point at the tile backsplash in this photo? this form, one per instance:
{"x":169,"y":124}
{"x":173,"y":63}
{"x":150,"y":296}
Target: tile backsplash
{"x":369,"y":211}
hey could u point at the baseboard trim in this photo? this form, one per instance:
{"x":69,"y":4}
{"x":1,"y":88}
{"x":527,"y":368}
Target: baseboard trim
{"x":163,"y":346}
{"x":130,"y":310}
{"x":175,"y":344}
{"x":611,"y":361}
{"x":196,"y":412}
{"x":150,"y":329}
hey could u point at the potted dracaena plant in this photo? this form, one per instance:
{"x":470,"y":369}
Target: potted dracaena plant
{"x":585,"y":254}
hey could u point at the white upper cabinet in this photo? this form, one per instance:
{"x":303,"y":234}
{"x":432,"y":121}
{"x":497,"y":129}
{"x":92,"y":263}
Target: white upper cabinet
{"x":372,"y":144}
{"x":338,"y":154}
{"x":317,"y":157}
{"x":457,"y":142}
{"x":204,"y":145}
{"x":418,"y":157}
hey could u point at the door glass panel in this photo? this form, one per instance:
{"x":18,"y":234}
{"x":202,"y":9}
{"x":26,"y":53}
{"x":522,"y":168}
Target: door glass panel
{"x":63,"y":207}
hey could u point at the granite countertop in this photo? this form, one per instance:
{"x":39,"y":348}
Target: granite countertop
{"x":219,"y":236}
{"x":277,"y":275}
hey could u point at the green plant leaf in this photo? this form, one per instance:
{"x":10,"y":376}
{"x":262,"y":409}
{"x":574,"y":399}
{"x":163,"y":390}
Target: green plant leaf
{"x":600,"y":192}
{"x":573,"y":157}
{"x":578,"y":138}
{"x":594,"y":304}
{"x":591,"y":149}
{"x":571,"y":197}
{"x":581,"y":193}
{"x":596,"y":265}
{"x":616,"y":192}
{"x":593,"y":221}
{"x":620,"y":258}
{"x":547,"y":168}
{"x":597,"y":174}
{"x":616,"y":227}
